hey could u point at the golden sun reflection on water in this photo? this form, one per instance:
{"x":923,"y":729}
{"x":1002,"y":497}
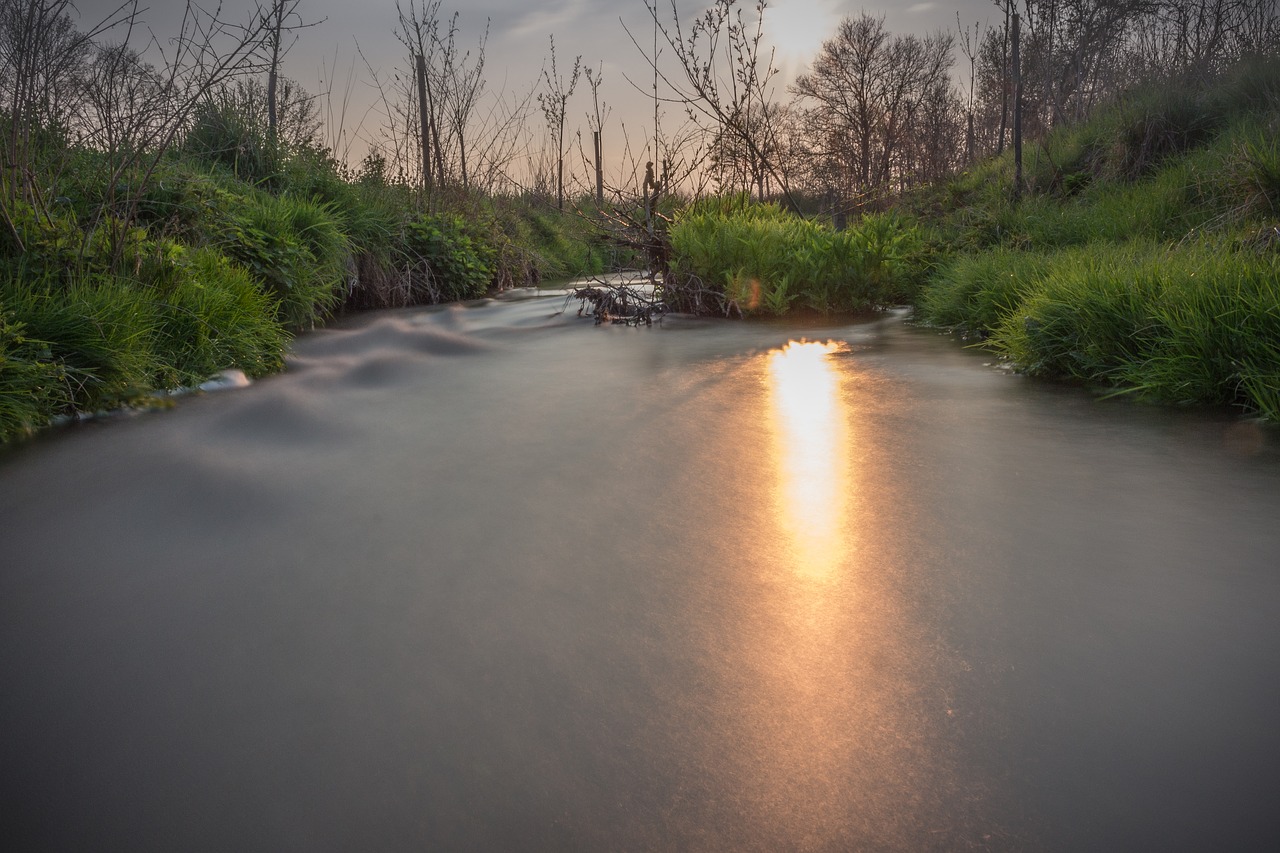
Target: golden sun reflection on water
{"x":842,"y":721}
{"x":811,"y":438}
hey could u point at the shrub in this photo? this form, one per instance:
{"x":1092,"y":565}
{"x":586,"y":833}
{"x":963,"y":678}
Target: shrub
{"x":459,"y":264}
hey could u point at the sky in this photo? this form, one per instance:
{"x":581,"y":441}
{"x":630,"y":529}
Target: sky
{"x":325,"y":56}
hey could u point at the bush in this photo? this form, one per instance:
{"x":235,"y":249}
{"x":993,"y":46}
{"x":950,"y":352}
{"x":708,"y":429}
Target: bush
{"x":459,"y":263}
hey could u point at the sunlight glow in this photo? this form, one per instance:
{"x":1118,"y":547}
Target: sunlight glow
{"x":797,"y":28}
{"x":812,"y":451}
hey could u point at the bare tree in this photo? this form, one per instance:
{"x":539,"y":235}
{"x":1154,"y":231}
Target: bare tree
{"x":418,"y":30}
{"x":279,"y":22}
{"x":554,"y":102}
{"x":595,"y":121}
{"x":870,"y":94}
{"x":723,"y":77}
{"x":462,"y":83}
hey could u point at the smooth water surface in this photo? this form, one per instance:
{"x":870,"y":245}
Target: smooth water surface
{"x":494,"y":578}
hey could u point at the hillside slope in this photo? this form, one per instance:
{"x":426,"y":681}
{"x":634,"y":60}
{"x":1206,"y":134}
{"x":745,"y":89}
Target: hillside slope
{"x":1144,"y":254}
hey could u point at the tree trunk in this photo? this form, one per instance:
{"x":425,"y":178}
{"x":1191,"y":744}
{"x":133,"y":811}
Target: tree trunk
{"x":599,"y":169}
{"x":277,"y":25}
{"x":425,"y":114}
{"x":1017,"y":112}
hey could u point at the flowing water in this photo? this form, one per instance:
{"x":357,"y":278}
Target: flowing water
{"x":494,"y":578}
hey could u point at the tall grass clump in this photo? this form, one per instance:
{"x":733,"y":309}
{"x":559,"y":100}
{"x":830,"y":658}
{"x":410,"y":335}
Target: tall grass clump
{"x":294,"y":248}
{"x":763,"y":260}
{"x":212,"y":316}
{"x":1256,"y":171}
{"x":974,"y":293}
{"x":32,"y":389}
{"x":1196,"y":324}
{"x":99,"y":332}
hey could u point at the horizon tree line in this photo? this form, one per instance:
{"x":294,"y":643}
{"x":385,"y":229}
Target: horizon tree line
{"x":874,"y":114}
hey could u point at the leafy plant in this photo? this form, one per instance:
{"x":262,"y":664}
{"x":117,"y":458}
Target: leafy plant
{"x":459,"y":265}
{"x":294,"y":248}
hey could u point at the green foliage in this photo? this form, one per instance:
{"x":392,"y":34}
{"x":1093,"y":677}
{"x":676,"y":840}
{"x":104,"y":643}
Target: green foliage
{"x":47,"y":243}
{"x":460,"y":262}
{"x":1142,"y":256}
{"x":90,"y":341}
{"x":1195,"y":324}
{"x":767,"y":261}
{"x":99,"y":331}
{"x":294,"y":248}
{"x":976,"y":292}
{"x":212,"y":317}
{"x":32,"y":387}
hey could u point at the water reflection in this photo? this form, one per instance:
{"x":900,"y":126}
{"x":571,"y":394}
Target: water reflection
{"x":842,"y":735}
{"x":811,"y":446}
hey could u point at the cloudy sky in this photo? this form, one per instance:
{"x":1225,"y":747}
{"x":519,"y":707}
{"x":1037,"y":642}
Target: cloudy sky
{"x":325,"y":56}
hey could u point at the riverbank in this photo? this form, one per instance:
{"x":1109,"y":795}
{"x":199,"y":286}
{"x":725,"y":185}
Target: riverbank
{"x":1144,"y":255}
{"x":211,"y":269}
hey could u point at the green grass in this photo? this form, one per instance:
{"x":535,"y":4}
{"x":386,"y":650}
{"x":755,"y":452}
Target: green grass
{"x":760,"y":259}
{"x":32,"y":387}
{"x":294,"y":248}
{"x":976,"y":292}
{"x":1143,"y":257}
{"x":214,"y":317}
{"x":99,"y":332}
{"x":1186,"y":325}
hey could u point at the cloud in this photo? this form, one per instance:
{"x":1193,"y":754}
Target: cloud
{"x":921,"y":8}
{"x":545,"y":21}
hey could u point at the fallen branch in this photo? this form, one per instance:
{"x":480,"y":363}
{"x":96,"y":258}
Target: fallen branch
{"x":623,"y":303}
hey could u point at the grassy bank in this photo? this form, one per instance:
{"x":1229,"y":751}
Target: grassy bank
{"x":116,"y":285}
{"x":1144,"y":256}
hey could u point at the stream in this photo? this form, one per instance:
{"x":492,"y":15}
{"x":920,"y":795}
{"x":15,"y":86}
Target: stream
{"x":492,"y":577}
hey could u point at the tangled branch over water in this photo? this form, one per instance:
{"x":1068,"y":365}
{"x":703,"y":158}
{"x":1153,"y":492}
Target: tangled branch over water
{"x":627,"y":302}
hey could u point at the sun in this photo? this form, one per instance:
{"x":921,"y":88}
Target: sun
{"x":796,"y":29}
